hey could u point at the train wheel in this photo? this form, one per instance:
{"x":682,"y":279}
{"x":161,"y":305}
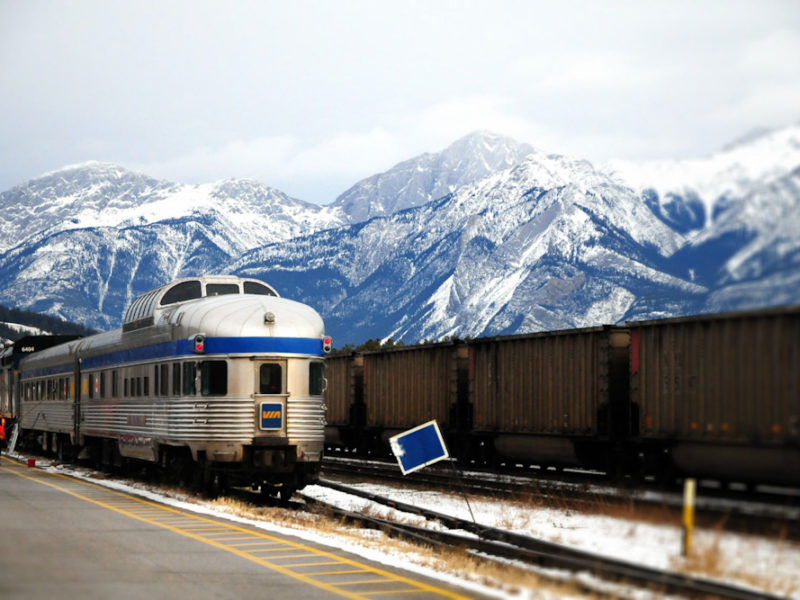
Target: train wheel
{"x":61,"y":449}
{"x":286,"y":492}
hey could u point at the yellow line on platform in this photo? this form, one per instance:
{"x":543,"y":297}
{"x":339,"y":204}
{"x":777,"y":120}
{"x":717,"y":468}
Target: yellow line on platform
{"x":39,"y":476}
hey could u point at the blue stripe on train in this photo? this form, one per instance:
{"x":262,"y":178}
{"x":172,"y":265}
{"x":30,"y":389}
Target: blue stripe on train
{"x":182,"y":348}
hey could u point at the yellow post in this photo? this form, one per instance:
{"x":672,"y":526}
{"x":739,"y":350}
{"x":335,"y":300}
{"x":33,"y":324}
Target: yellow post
{"x":688,"y":515}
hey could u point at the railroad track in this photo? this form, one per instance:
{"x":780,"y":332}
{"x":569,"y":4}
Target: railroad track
{"x":492,"y":542}
{"x":765,"y":513}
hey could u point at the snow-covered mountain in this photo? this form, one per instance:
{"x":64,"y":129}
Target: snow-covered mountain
{"x":487,"y":237}
{"x":98,"y":194}
{"x":548,"y":244}
{"x":419,"y":180}
{"x":691,"y":194}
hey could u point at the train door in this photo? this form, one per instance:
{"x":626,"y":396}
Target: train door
{"x":270,"y":397}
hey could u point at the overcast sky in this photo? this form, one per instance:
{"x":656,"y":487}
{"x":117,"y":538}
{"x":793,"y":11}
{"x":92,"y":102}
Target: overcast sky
{"x":310,"y":96}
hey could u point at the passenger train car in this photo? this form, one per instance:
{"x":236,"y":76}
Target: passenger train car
{"x":10,"y":356}
{"x":215,"y":377}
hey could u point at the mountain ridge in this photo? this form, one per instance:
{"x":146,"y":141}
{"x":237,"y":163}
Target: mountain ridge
{"x":547,"y":242}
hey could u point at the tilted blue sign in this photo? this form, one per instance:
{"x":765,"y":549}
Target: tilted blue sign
{"x":418,"y":447}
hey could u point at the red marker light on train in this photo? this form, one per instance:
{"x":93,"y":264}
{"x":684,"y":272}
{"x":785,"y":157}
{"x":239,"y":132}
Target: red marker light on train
{"x":326,"y":344}
{"x":199,"y":344}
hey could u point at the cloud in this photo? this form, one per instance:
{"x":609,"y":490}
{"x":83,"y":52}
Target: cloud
{"x":238,"y":158}
{"x":597,"y":71}
{"x":310,"y":167}
{"x":773,"y":55}
{"x":768,"y":90}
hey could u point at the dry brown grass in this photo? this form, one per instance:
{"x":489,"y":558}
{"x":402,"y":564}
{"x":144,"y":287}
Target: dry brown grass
{"x":707,"y":558}
{"x":513,"y":580}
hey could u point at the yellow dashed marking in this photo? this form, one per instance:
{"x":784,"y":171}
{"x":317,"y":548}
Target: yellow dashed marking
{"x":254,"y":544}
{"x":313,"y":564}
{"x":212,"y":533}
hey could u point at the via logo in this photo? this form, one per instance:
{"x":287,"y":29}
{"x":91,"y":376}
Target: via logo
{"x":271,"y":415}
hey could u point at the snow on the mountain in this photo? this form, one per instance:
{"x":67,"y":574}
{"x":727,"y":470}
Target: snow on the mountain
{"x":419,"y":180}
{"x":487,"y":237}
{"x":731,"y":172}
{"x":24,"y":329}
{"x":93,"y":195}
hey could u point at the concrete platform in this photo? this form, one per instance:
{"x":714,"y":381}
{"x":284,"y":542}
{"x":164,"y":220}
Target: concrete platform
{"x":65,"y":538}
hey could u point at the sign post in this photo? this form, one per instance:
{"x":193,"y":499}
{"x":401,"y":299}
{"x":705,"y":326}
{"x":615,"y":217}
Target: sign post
{"x":688,"y":515}
{"x":422,"y":446}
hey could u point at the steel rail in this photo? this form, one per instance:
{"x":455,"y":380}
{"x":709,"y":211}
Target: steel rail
{"x":507,"y":544}
{"x":783,"y":496}
{"x":782,"y":518}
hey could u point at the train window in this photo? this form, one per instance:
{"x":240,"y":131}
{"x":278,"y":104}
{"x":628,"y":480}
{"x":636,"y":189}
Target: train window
{"x":139,"y":387}
{"x":270,"y":379}
{"x":316,"y":381}
{"x":188,"y":290}
{"x":91,"y":385}
{"x":214,"y":377}
{"x":176,"y":379}
{"x":103,"y":384}
{"x":221,"y":289}
{"x":114,"y":384}
{"x":156,"y":387}
{"x":251,"y":287}
{"x":164,"y":380}
{"x":126,"y":387}
{"x":188,"y":379}
{"x":146,"y":391}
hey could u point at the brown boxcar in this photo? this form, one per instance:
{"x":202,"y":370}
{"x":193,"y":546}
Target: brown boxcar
{"x":409,"y":386}
{"x":344,"y":399}
{"x":720,"y":394}
{"x":551,"y":398}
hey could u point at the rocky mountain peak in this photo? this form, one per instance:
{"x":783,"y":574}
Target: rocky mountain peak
{"x":429,"y":176}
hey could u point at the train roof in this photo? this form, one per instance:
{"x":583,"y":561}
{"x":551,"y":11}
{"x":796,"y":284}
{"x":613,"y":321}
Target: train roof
{"x":30,"y":344}
{"x":142,"y":311}
{"x":226,"y":316}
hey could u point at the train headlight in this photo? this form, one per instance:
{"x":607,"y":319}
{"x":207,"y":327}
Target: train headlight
{"x":326,"y":344}
{"x":199,"y":344}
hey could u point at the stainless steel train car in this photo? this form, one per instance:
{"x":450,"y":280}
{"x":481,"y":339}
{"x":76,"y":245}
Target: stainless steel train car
{"x":10,"y":356}
{"x":215,"y":376}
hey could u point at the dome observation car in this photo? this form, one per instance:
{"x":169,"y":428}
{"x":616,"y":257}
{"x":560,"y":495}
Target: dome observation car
{"x":145,"y":309}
